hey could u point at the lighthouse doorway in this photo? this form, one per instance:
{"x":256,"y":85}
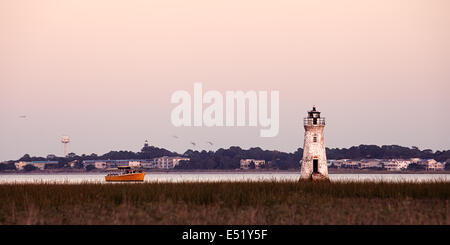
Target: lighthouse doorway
{"x":315,"y":165}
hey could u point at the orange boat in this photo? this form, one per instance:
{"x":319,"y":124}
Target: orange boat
{"x":124,"y":173}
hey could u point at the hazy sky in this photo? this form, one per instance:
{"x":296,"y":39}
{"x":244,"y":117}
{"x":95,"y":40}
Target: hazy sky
{"x":103,"y":72}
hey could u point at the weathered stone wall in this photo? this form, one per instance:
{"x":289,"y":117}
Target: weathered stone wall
{"x":312,"y":150}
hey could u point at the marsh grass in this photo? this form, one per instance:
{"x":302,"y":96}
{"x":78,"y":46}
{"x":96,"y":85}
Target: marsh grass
{"x":272,"y":202}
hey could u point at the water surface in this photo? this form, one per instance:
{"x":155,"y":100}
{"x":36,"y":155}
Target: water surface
{"x":215,"y":176}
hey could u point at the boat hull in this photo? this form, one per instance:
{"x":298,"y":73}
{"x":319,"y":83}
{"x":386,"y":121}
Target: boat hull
{"x":126,"y":177}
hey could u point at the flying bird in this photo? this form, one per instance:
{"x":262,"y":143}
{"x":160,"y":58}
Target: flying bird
{"x":23,"y":116}
{"x":209,"y":142}
{"x":193,"y":143}
{"x":176,"y":137}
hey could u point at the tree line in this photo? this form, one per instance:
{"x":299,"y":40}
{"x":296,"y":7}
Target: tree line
{"x":230,"y":158}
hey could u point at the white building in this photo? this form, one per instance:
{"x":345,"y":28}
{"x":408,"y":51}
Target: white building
{"x":245,"y":163}
{"x":431,"y":164}
{"x":396,"y":164}
{"x":135,"y":164}
{"x":167,"y":162}
{"x":20,"y":165}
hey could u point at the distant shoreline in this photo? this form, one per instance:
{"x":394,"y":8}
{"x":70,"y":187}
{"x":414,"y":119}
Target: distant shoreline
{"x":226,"y":171}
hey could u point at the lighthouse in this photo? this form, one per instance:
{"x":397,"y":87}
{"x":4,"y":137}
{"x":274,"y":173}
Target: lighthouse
{"x":314,"y":161}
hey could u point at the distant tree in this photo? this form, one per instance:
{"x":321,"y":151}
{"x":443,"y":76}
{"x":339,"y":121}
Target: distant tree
{"x":51,"y":156}
{"x":442,"y":156}
{"x":90,"y":167}
{"x":71,"y":155}
{"x":182,"y":165}
{"x":120,"y":155}
{"x":29,"y":168}
{"x":252,"y":165}
{"x":7,"y":166}
{"x":230,"y":158}
{"x":79,"y":165}
{"x":210,"y":164}
{"x":283,"y":165}
{"x":415,"y":166}
{"x":149,"y":152}
{"x":25,"y":158}
{"x":263,"y":166}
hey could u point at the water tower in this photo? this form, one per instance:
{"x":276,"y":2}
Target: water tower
{"x":314,"y":162}
{"x":65,"y":140}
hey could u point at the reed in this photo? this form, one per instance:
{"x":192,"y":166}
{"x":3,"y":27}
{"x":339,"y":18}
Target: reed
{"x":249,"y":202}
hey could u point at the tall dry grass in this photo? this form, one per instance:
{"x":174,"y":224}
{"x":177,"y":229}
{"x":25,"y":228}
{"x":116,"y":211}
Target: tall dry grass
{"x":226,"y":203}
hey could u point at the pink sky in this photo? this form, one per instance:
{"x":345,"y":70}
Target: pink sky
{"x":103,"y":72}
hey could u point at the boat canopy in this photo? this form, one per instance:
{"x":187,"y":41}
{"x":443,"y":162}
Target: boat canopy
{"x":124,"y":167}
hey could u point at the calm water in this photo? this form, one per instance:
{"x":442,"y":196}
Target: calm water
{"x":225,"y":176}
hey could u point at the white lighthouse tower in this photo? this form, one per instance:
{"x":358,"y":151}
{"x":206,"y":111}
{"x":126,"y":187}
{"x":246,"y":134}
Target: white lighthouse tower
{"x":314,"y":161}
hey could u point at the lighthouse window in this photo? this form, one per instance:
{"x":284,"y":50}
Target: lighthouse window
{"x":314,"y":138}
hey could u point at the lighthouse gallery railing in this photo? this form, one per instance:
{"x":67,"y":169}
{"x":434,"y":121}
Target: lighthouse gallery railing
{"x":307,"y":121}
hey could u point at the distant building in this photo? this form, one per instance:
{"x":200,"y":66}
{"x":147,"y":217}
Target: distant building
{"x":20,"y":165}
{"x":245,"y":163}
{"x":38,"y":164}
{"x":370,"y":163}
{"x":431,"y":164}
{"x":415,"y":160}
{"x":330,"y":162}
{"x":167,"y":162}
{"x":73,"y":163}
{"x":164,"y":162}
{"x":350,"y":164}
{"x":387,"y":164}
{"x":396,"y":164}
{"x":136,"y":164}
{"x":148,"y":164}
{"x":337,"y":163}
{"x":101,"y":164}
